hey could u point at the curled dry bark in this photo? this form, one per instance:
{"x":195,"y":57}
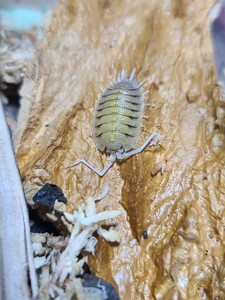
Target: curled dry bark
{"x":85,"y":46}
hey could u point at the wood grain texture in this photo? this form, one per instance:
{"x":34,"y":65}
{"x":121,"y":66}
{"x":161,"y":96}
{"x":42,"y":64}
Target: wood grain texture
{"x":16,"y":258}
{"x":175,"y":191}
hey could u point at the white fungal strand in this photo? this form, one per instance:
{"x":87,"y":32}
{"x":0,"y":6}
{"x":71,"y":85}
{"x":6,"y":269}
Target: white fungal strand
{"x":110,"y":235}
{"x":118,"y":115}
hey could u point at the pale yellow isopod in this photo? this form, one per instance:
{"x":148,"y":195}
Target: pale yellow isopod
{"x":117,"y":121}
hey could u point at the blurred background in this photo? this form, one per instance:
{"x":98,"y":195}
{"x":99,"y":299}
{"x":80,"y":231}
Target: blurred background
{"x":20,"y":35}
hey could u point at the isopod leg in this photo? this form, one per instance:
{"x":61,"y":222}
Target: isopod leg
{"x":140,"y":149}
{"x":98,"y":172}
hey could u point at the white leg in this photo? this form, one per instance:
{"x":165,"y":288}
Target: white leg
{"x":140,"y":149}
{"x":98,"y":172}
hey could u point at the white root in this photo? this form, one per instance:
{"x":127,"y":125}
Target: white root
{"x":85,"y":222}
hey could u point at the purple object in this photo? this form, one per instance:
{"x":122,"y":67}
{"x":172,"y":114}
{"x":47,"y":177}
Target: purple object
{"x":218,"y":39}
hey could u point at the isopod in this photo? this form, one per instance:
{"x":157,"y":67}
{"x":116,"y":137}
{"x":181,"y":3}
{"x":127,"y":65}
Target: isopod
{"x":117,"y":121}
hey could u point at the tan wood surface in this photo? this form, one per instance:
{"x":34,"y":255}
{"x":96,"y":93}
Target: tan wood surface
{"x":174,"y":191}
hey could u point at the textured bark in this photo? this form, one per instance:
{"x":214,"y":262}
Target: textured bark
{"x":174,"y":192}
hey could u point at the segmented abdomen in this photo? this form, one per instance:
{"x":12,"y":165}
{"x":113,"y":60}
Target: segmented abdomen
{"x":118,"y":116}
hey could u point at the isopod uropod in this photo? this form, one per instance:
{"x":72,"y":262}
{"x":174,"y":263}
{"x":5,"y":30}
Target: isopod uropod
{"x":117,"y":121}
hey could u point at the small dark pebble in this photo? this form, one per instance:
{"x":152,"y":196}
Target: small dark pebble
{"x":48,"y":194}
{"x":145,"y":235}
{"x":94,"y":285}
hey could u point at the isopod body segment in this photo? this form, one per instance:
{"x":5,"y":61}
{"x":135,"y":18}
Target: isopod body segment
{"x":118,"y":115}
